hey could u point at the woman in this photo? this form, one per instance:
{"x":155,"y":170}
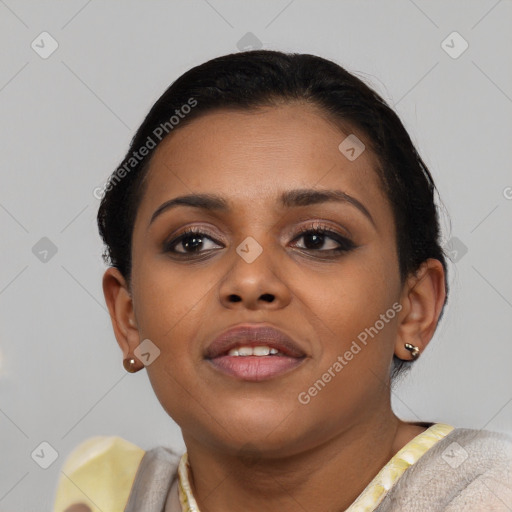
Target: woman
{"x":275,"y":264}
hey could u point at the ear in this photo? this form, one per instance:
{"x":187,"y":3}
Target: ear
{"x":120,"y":306}
{"x":422,"y":301}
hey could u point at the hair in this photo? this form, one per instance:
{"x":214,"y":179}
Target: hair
{"x":254,"y":79}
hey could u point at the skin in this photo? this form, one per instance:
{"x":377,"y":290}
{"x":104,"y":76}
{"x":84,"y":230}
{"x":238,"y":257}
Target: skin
{"x":252,"y":445}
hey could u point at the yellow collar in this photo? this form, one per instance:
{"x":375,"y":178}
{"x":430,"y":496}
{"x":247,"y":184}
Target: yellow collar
{"x":188,"y":503}
{"x":373,"y":493}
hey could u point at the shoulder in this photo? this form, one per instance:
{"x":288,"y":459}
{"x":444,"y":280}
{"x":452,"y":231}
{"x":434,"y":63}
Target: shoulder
{"x":99,"y":474}
{"x":480,"y":451}
{"x":468,"y":470}
{"x":483,"y":440}
{"x":484,"y":459}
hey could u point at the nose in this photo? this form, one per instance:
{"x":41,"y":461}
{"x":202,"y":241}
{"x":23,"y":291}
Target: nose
{"x":256,"y":278}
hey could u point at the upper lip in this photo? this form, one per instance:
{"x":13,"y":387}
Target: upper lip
{"x":245,"y":335}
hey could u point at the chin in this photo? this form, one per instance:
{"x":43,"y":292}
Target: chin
{"x":261,"y":422}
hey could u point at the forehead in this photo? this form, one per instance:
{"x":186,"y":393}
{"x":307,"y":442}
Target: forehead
{"x":251,"y":157}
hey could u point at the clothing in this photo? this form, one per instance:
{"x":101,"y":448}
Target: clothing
{"x":442,"y":469}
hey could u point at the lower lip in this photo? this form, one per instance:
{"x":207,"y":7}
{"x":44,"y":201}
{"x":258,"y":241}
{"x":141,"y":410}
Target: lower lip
{"x":255,"y":368}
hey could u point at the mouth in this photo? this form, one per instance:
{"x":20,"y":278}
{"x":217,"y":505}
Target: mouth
{"x":254,"y":353}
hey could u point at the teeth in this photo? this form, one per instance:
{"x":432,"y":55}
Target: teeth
{"x":245,"y":351}
{"x":253,"y":351}
{"x":260,"y":351}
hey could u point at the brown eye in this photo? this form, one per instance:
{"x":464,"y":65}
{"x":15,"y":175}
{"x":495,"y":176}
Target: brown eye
{"x":192,"y":241}
{"x":316,"y":238}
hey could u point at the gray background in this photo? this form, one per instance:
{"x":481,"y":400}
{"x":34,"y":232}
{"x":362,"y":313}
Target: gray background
{"x":66,"y":122}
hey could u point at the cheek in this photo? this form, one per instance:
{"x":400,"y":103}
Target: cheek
{"x":356,"y":293}
{"x":171,"y":305}
{"x":353,"y":312}
{"x":346,"y":308}
{"x":170,"y":298}
{"x":170,"y":311}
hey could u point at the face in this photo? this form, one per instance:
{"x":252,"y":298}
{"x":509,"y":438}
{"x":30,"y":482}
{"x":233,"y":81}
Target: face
{"x":323,"y":290}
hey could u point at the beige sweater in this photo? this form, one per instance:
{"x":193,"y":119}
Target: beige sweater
{"x":468,"y":470}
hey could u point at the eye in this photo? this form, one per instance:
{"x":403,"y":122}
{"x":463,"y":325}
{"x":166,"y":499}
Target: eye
{"x":316,"y":236}
{"x":192,"y":240}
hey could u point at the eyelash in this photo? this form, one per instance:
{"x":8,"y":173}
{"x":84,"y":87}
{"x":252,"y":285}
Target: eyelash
{"x":345,"y":244}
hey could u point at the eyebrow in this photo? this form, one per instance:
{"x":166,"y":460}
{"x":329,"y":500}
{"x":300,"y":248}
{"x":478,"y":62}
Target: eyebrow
{"x":288,"y":199}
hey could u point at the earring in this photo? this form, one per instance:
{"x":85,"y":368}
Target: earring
{"x":130,"y":365}
{"x":415,"y":351}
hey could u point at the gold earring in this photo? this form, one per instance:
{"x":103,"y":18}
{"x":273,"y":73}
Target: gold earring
{"x":415,"y":351}
{"x":130,"y":365}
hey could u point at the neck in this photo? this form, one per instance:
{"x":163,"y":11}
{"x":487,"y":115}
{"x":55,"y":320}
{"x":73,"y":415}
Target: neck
{"x":327,"y":477}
